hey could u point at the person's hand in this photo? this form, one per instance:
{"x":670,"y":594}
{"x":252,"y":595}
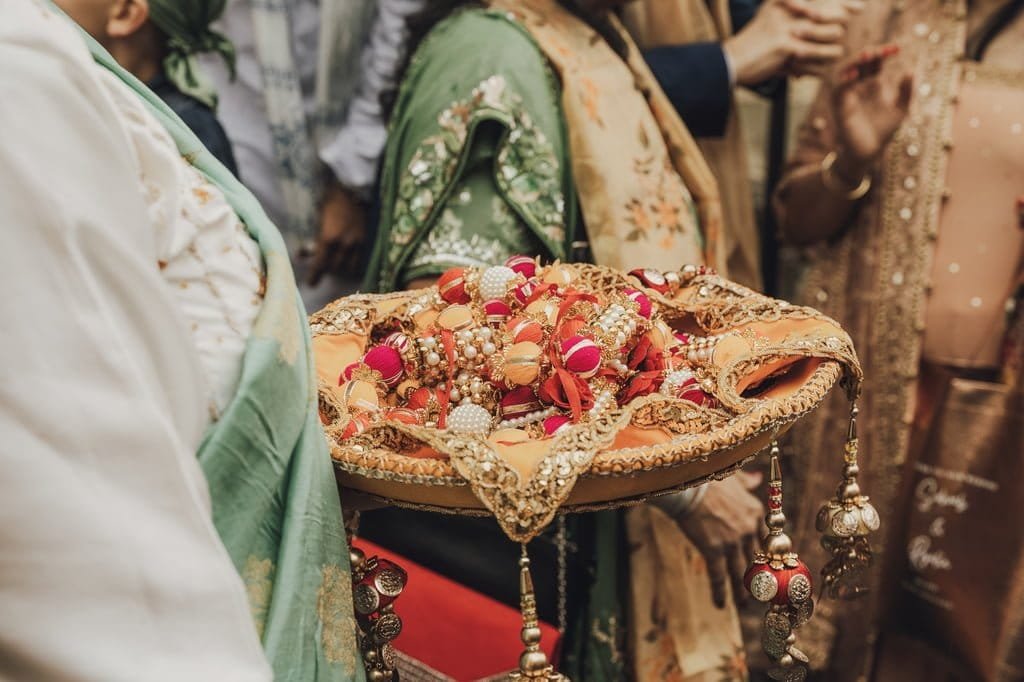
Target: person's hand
{"x":342,"y":233}
{"x":724,"y":526}
{"x":788,"y":34}
{"x":868,"y":110}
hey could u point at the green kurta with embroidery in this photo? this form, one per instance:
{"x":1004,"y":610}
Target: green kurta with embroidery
{"x":477,"y":169}
{"x":477,"y":163}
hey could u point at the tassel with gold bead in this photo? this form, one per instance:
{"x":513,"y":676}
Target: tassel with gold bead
{"x":845,"y":522}
{"x":533,"y":662}
{"x":780,"y":579}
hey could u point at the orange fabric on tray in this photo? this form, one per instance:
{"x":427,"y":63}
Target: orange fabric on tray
{"x":453,"y":629}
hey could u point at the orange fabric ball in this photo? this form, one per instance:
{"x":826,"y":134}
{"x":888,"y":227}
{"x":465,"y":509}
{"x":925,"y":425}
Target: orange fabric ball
{"x":361,"y":396}
{"x":455,"y":317}
{"x":571,"y":327}
{"x":522,"y":363}
{"x":524,"y":329}
{"x":452,"y":286}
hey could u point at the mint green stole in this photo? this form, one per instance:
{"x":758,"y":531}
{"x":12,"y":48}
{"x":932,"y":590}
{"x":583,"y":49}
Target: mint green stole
{"x":275,"y":500}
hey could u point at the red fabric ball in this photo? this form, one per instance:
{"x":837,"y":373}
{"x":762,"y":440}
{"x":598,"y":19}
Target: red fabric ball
{"x":497,"y":311}
{"x":518,"y":402}
{"x":524,"y":329}
{"x":524,"y":265}
{"x":553,"y":425}
{"x":420,"y":398}
{"x":581,"y":356}
{"x":452,"y":286}
{"x":651,"y":279}
{"x":356,"y":425}
{"x":388,"y":362}
{"x":640,"y":298}
{"x":782,"y":586}
{"x":403,"y":415}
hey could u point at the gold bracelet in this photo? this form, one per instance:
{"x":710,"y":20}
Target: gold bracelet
{"x":829,"y":180}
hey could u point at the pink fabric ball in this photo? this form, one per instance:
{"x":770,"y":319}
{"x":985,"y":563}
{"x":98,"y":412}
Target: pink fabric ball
{"x":399,"y":341}
{"x":553,"y":425}
{"x":346,"y":374}
{"x":581,"y":356}
{"x":524,"y":265}
{"x":522,"y":291}
{"x":640,"y":298}
{"x":388,"y":362}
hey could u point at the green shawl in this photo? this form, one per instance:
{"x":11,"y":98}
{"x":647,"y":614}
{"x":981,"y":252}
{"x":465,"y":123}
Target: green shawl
{"x":275,"y":500}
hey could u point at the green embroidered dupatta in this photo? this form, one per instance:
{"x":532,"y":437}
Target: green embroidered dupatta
{"x":476,"y":168}
{"x":275,"y":500}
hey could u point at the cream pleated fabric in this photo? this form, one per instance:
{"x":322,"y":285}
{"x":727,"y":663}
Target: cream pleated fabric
{"x":110,"y":566}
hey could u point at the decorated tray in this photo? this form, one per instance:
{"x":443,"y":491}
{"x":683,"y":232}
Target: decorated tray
{"x":523,"y":390}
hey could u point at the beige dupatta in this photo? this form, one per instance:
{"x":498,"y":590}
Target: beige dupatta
{"x":655,"y":23}
{"x":648,"y":197}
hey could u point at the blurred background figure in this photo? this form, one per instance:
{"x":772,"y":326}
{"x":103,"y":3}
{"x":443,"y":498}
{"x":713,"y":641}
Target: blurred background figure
{"x":305,"y":119}
{"x":906,"y":188}
{"x":701,"y":51}
{"x":158,"y":41}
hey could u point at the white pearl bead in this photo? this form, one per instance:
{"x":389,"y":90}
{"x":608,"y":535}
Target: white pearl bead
{"x":470,"y":352}
{"x":433,"y":359}
{"x":488,"y":349}
{"x":470,"y":419}
{"x":494,"y":281}
{"x":485,"y":333}
{"x":455,"y":395}
{"x":430,"y":342}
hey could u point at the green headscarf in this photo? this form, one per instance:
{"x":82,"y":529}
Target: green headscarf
{"x":187,"y":25}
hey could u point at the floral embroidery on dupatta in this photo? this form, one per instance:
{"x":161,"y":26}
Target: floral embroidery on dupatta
{"x":334,"y":607}
{"x":258,"y":576}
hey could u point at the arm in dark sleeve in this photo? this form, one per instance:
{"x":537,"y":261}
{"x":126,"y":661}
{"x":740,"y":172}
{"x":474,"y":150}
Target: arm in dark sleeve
{"x":741,"y":12}
{"x":696,"y":79}
{"x":204,"y":123}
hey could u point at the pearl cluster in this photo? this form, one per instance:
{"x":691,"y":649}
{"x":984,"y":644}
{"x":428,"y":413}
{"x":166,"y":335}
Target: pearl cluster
{"x":617,"y":324}
{"x":674,"y":380}
{"x":470,"y":419}
{"x":701,"y":348}
{"x":494,"y":282}
{"x":526,"y":419}
{"x":604,"y":401}
{"x":474,"y":346}
{"x":471,"y":389}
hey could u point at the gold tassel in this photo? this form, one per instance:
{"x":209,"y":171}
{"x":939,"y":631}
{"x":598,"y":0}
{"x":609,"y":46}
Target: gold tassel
{"x":533,"y":663}
{"x":779,"y":578}
{"x":845,"y":523}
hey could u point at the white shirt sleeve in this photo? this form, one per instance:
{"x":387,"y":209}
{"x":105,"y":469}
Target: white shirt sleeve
{"x":111,"y":568}
{"x":353,"y":154}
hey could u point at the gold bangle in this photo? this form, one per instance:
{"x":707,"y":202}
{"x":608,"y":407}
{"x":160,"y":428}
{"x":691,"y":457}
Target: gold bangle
{"x":829,"y":180}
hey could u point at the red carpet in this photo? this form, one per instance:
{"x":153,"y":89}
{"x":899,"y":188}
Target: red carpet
{"x":454,"y":629}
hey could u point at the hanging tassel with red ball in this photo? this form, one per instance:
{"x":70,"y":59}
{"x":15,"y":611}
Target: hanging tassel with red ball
{"x":845,"y":522}
{"x":780,"y":579}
